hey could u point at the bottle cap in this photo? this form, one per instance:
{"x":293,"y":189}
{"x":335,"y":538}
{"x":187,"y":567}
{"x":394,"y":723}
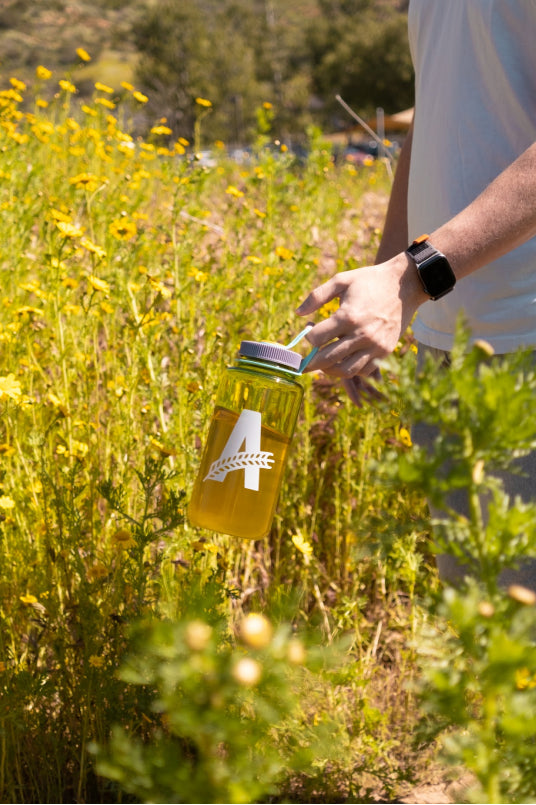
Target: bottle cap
{"x":274,"y":353}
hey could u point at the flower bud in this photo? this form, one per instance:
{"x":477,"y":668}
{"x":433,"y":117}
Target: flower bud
{"x":256,"y":631}
{"x":197,"y":635}
{"x":247,"y":671}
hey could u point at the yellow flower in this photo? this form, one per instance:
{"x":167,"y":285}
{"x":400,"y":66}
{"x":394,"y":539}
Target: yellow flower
{"x":98,"y":284}
{"x":6,"y":502}
{"x":95,"y":661}
{"x":87,"y":180}
{"x":67,"y":86}
{"x":108,"y":104}
{"x":524,"y":679}
{"x":158,"y":286}
{"x":83,"y":54}
{"x":283,"y":253}
{"x":28,"y":599}
{"x":122,"y":540}
{"x":234,"y":191}
{"x":302,"y":545}
{"x":405,"y":437}
{"x":139,"y":96}
{"x":89,"y":110}
{"x":98,"y":251}
{"x":267,"y":105}
{"x":9,"y":387}
{"x":203,"y":102}
{"x":18,"y":85}
{"x":42,"y":72}
{"x":122,"y":229}
{"x":161,"y":130}
{"x":127,"y":86}
{"x":69,"y":230}
{"x":97,"y":571}
{"x":104,"y":88}
{"x":79,"y":449}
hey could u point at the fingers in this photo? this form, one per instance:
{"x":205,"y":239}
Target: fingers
{"x":360,"y":391}
{"x":319,"y":297}
{"x":358,"y":363}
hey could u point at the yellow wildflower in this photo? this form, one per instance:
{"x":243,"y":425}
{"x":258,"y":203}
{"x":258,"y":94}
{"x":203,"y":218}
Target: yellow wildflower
{"x":69,"y":230}
{"x":103,"y":88}
{"x":123,"y":229}
{"x":42,"y":72}
{"x":98,"y":251}
{"x":87,"y":180}
{"x":524,"y":679}
{"x":302,"y":545}
{"x":161,"y":130}
{"x":67,"y":86}
{"x":18,"y":85}
{"x":6,"y":502}
{"x":234,"y":191}
{"x":89,"y":110}
{"x":284,"y":253}
{"x":140,"y":97}
{"x":83,"y":54}
{"x":123,"y":540}
{"x":405,"y":437}
{"x":203,"y":102}
{"x":9,"y":387}
{"x":28,"y":599}
{"x":106,"y":102}
{"x":95,"y":661}
{"x":127,"y":86}
{"x":98,"y":284}
{"x":158,"y":286}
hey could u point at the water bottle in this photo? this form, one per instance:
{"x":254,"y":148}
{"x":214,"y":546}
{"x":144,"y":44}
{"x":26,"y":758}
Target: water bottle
{"x":241,"y":471}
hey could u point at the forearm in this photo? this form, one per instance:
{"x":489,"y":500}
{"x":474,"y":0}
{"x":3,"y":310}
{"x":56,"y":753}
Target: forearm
{"x":395,"y":231}
{"x":501,"y":218}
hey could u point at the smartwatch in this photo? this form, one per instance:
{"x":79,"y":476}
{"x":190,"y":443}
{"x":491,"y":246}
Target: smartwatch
{"x":433,"y":268}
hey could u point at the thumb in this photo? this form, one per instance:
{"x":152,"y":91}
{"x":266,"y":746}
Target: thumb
{"x":318,"y":298}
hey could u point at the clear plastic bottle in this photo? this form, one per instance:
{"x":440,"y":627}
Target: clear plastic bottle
{"x":241,"y":471}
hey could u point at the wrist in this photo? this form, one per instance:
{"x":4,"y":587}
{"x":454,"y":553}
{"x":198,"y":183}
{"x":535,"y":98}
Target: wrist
{"x":411,"y":289}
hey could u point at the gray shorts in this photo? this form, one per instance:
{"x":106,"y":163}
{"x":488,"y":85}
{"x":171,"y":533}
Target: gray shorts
{"x":523,"y":485}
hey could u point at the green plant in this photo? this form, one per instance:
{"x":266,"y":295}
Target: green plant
{"x":478,"y":656}
{"x":218,"y":710}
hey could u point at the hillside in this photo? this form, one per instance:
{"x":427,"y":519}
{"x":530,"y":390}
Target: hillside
{"x":49,"y":33}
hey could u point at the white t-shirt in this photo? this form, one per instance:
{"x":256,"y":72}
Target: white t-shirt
{"x":475,"y":113}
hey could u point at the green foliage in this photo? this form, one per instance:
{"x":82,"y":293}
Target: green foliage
{"x":219,"y":708}
{"x":479,"y":656}
{"x":477,"y":437}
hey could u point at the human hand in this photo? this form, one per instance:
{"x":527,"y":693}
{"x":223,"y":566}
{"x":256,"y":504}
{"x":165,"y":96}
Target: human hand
{"x":376,"y":306}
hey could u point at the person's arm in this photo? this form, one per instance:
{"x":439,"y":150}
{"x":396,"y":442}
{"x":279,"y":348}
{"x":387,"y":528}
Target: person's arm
{"x":395,"y":228}
{"x":377,"y":303}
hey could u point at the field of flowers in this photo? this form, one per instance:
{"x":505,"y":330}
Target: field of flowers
{"x":142,"y":659}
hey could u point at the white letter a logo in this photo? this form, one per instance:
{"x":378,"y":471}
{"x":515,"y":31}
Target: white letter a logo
{"x":251,"y":460}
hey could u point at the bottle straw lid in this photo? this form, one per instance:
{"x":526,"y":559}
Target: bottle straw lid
{"x":274,"y":353}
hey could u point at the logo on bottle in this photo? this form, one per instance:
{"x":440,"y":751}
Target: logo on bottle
{"x":246,"y":433}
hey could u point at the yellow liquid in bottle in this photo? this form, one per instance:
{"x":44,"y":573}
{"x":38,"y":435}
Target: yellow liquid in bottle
{"x":226,"y":505}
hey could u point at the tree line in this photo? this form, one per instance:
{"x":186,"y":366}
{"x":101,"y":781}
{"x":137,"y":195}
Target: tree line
{"x":298,"y":56}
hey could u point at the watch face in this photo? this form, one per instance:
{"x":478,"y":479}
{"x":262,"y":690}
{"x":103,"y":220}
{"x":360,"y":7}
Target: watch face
{"x":437,"y":276}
